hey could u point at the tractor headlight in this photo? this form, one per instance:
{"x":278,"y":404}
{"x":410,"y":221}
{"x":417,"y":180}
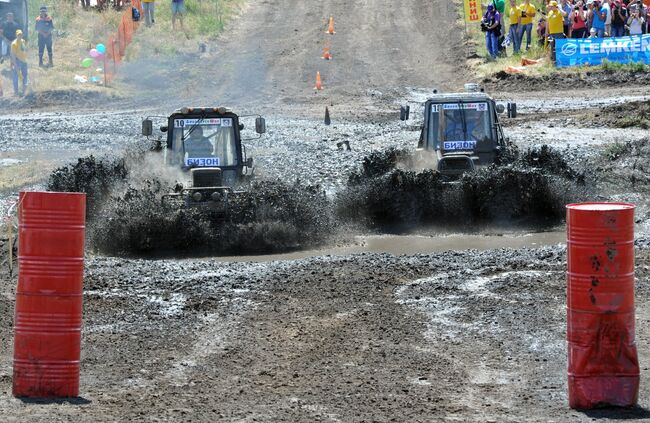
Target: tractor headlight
{"x":216,"y":196}
{"x":197,"y":197}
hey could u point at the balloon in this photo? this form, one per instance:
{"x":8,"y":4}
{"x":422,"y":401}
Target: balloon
{"x":94,"y":53}
{"x":87,"y":62}
{"x":101,"y":48}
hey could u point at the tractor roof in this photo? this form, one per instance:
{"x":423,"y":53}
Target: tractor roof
{"x":462,"y":96}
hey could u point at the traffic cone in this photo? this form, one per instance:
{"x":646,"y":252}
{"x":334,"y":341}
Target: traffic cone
{"x":328,"y":121}
{"x":326,"y":54}
{"x":319,"y":83}
{"x":330,"y":27}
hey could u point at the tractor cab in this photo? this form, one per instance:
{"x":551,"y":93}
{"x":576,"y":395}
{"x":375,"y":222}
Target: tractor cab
{"x":462,"y":131}
{"x":207,"y":143}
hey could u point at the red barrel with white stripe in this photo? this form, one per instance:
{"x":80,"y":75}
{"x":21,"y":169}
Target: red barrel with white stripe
{"x":49,"y":294}
{"x":603,"y":367}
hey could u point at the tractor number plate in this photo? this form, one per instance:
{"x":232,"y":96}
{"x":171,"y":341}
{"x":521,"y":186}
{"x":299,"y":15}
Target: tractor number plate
{"x":459,"y":145}
{"x":202,"y":161}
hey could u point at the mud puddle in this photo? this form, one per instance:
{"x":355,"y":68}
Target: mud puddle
{"x":416,"y":244}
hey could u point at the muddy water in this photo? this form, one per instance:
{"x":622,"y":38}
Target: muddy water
{"x":415,"y":244}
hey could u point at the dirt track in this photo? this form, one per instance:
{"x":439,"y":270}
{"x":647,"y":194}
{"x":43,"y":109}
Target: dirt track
{"x":273,"y":52}
{"x":457,"y":336}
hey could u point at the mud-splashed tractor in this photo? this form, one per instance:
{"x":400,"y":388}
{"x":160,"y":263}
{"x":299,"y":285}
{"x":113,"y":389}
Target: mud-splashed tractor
{"x":206,"y":143}
{"x":461,"y":131}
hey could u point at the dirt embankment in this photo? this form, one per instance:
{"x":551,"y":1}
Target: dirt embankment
{"x":627,"y":115}
{"x":566,"y":81}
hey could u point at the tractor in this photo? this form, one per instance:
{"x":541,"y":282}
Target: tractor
{"x":206,"y":143}
{"x":19,"y":9}
{"x":461,"y":131}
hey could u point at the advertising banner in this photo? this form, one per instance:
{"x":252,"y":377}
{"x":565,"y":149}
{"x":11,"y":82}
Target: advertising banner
{"x":592,"y":51}
{"x":473,"y":11}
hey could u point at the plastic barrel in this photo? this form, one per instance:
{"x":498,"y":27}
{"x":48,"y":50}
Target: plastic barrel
{"x":603,"y":367}
{"x":49,"y":294}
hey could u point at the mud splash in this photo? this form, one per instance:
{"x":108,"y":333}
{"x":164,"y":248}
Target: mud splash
{"x":531,"y":190}
{"x":269,"y":217}
{"x":95,"y":177}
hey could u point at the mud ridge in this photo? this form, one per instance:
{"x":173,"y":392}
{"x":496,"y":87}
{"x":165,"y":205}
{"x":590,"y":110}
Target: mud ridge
{"x":531,"y":190}
{"x":589,"y":79}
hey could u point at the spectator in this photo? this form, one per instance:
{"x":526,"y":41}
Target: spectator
{"x":619,"y":18}
{"x":515,"y":20}
{"x":44,"y":27}
{"x":598,"y":18}
{"x":541,"y":32}
{"x":527,"y":14}
{"x":19,"y":62}
{"x":566,"y":8}
{"x":148,"y":7}
{"x":608,"y":19}
{"x":85,"y":4}
{"x":578,"y":21}
{"x":492,"y":23}
{"x":635,"y":21}
{"x":9,"y":28}
{"x":554,"y":25}
{"x":592,"y":33}
{"x":178,"y":10}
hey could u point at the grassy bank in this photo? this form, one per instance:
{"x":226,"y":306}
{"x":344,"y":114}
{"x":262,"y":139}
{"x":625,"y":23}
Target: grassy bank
{"x":78,"y":30}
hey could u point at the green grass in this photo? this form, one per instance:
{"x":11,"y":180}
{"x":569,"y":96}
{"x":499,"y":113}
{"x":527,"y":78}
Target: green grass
{"x":203,"y":21}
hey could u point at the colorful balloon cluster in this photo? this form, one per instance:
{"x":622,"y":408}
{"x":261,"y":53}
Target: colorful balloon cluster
{"x":96,"y":53}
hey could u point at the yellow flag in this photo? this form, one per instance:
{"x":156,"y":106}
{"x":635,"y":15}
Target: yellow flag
{"x":473,"y":11}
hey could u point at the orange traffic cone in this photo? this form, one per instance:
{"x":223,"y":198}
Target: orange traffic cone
{"x":326,"y":53}
{"x":319,"y":83}
{"x":330,"y":27}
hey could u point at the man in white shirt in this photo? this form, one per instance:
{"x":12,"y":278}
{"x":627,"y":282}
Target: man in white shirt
{"x":608,"y":20}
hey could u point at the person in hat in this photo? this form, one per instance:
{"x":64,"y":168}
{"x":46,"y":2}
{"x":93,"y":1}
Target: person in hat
{"x":19,"y":62}
{"x":492,"y":24}
{"x":44,"y":27}
{"x":555,"y":21}
{"x":554,"y":25}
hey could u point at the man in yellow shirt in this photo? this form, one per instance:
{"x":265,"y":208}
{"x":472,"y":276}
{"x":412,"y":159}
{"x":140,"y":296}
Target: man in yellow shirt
{"x":554,"y":25}
{"x":555,"y":21}
{"x":19,"y":62}
{"x":148,"y":7}
{"x":526,"y":25}
{"x":514,"y":21}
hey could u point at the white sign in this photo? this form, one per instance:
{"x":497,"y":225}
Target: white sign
{"x":459,"y":145}
{"x":202,"y":161}
{"x":481,"y":107}
{"x":188,"y":123}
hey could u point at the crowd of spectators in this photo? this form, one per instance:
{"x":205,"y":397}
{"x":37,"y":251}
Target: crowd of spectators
{"x":566,"y":19}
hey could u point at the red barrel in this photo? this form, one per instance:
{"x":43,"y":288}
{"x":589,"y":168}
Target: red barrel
{"x":603,"y":364}
{"x":49,"y":294}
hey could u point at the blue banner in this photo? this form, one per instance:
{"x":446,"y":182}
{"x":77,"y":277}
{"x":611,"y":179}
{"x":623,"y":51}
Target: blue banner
{"x":592,"y":51}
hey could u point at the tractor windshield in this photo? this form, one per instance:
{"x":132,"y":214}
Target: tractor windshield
{"x":206,"y":142}
{"x":459,"y":126}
